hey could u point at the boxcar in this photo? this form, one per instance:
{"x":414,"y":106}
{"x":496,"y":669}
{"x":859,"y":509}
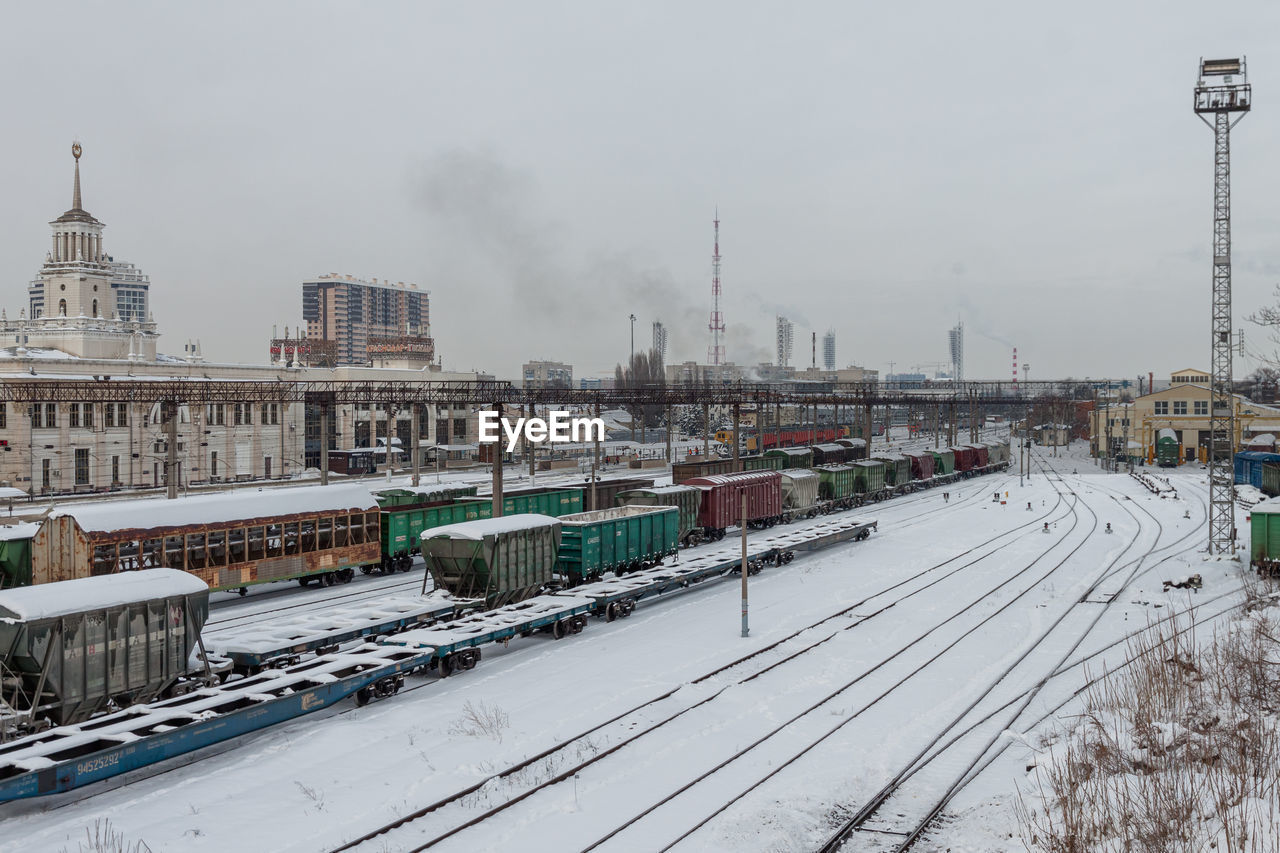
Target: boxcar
{"x":607,"y":492}
{"x":836,"y":482}
{"x":722,"y":500}
{"x":15,"y":554}
{"x":414,"y":495}
{"x":229,"y":540}
{"x":944,"y":462}
{"x":857,"y":448}
{"x":964,"y":457}
{"x":792,"y":457}
{"x":799,"y":492}
{"x":681,"y":471}
{"x":868,"y":476}
{"x":897,"y":469}
{"x":551,"y":500}
{"x":401,"y":527}
{"x":622,"y":538}
{"x":1168,"y":449}
{"x":502,"y":560}
{"x":830,"y":454}
{"x":921,"y":465}
{"x":981,"y":455}
{"x":685,"y":498}
{"x":1249,"y":466}
{"x":80,"y":644}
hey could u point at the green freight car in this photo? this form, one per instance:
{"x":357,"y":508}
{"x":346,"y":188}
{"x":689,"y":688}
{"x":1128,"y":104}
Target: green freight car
{"x":402,"y":528}
{"x":944,"y":462}
{"x":621,"y":539}
{"x":684,"y":498}
{"x":15,"y":554}
{"x":1264,"y":536}
{"x":792,"y":457}
{"x":836,"y":483}
{"x":413,"y":495}
{"x":1270,"y":480}
{"x":897,"y":469}
{"x":1168,"y":449}
{"x":501,"y":560}
{"x":549,"y":501}
{"x":402,"y":525}
{"x":868,"y":477}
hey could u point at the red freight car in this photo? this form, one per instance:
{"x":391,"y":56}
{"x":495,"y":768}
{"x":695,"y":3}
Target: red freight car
{"x":981,"y":455}
{"x":964,"y":458}
{"x":921,"y":465}
{"x":722,"y":500}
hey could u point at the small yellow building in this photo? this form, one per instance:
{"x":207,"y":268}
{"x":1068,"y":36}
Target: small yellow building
{"x":1182,"y":407}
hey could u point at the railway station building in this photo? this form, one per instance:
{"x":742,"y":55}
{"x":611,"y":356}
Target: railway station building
{"x":90,"y":318}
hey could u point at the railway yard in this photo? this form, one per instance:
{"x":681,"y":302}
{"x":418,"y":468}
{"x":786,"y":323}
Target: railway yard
{"x":890,"y":693}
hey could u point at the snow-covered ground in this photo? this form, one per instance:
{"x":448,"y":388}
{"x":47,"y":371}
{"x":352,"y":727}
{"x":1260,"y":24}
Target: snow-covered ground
{"x":942,"y":625}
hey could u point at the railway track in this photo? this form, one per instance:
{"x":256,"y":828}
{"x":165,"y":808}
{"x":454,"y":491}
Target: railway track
{"x":892,"y":798}
{"x":556,"y":753}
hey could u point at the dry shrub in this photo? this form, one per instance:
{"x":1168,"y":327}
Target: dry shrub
{"x":1179,"y":751}
{"x":481,"y":720}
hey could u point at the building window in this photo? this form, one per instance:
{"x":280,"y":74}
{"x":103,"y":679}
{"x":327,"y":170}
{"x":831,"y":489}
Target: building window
{"x":1202,"y":407}
{"x":216,"y":414}
{"x":50,"y":415}
{"x":73,"y":417}
{"x":115,"y":470}
{"x":4,"y":416}
{"x":243,"y":414}
{"x":95,"y":308}
{"x":115,"y":414}
{"x":270,"y":413}
{"x":442,"y":431}
{"x":460,"y":428}
{"x":46,"y":474}
{"x":62,"y":307}
{"x":82,"y":466}
{"x":81,"y":415}
{"x":213,"y":464}
{"x":1179,"y":407}
{"x":1162,"y":407}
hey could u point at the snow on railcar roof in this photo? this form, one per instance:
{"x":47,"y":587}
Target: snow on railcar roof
{"x":1267,"y":507}
{"x":220,"y":507}
{"x":95,"y":593}
{"x":21,"y":530}
{"x":673,"y":489}
{"x":801,"y":473}
{"x":483,"y":527}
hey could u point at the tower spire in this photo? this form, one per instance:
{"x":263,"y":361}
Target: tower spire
{"x":715,"y":353}
{"x":76,"y":204}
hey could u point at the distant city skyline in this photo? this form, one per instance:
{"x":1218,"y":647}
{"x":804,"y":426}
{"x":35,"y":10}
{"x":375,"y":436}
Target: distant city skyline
{"x":879,"y":172}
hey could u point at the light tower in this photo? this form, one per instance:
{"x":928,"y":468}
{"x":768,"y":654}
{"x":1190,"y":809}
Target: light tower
{"x":715,"y":353}
{"x":1223,"y":89}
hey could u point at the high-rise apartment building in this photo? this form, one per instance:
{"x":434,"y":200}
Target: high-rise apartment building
{"x":547,"y":374}
{"x":350,"y":311}
{"x":660,"y":340}
{"x":829,"y":350}
{"x":786,"y":341}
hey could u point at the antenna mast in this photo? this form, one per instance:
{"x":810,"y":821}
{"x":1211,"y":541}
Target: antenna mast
{"x":715,"y":354}
{"x":1221,"y":90}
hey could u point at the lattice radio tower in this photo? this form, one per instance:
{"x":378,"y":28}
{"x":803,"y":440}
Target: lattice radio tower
{"x":715,"y":353}
{"x":1223,"y":89}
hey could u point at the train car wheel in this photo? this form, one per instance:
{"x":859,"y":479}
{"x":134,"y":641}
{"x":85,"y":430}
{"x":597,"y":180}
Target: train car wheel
{"x":348,"y":575}
{"x":611,"y":611}
{"x":366,"y":570}
{"x":557,"y":629}
{"x":446,"y":666}
{"x":363,"y":695}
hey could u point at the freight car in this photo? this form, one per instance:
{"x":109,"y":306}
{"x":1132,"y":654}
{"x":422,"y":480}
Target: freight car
{"x":897,"y":472}
{"x":681,"y":471}
{"x":944,"y":463}
{"x":501,"y":560}
{"x":69,"y":652}
{"x":837,"y":485}
{"x":1248,"y":467}
{"x":1264,"y":537}
{"x":800,"y":494}
{"x":402,"y":522}
{"x":792,"y":457}
{"x":686,"y":499}
{"x":620,"y":539}
{"x":606,"y":492}
{"x":1168,"y":449}
{"x":922,"y":463}
{"x":722,"y":500}
{"x":230,"y":540}
{"x":857,"y":448}
{"x":964,"y":459}
{"x":868,"y":479}
{"x":830,"y":454}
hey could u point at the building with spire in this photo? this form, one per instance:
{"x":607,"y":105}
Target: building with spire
{"x":83,"y":302}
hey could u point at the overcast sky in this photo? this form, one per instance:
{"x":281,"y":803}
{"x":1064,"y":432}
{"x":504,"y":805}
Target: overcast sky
{"x":546,"y":169}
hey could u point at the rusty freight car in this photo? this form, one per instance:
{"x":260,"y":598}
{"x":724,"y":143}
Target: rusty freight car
{"x":230,"y":540}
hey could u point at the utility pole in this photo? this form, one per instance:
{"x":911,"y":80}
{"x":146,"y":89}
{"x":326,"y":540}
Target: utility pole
{"x":745,"y":629}
{"x":1221,"y":90}
{"x":631,"y":365}
{"x":171,"y":463}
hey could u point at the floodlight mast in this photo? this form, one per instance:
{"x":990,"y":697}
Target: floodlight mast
{"x":1222,"y":91}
